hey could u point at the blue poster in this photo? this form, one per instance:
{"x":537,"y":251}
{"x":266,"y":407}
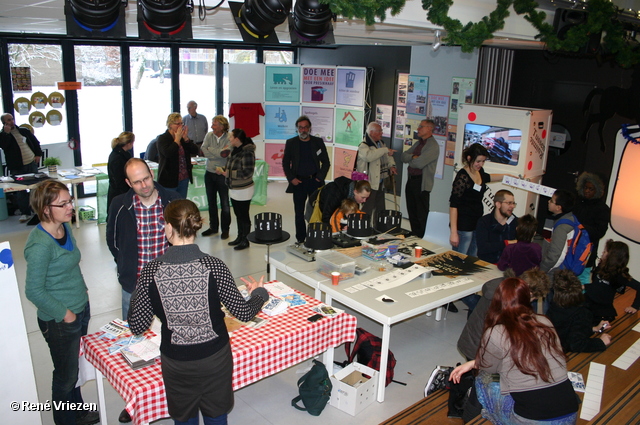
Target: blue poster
{"x":282,"y":84}
{"x":350,"y":87}
{"x":280,"y":121}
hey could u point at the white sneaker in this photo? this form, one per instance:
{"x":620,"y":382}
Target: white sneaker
{"x":24,"y":218}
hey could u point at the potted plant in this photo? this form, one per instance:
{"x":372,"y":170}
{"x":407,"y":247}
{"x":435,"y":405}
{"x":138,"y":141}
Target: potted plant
{"x":52,"y":163}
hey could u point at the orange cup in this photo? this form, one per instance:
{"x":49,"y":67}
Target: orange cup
{"x":418,"y":250}
{"x":335,"y":278}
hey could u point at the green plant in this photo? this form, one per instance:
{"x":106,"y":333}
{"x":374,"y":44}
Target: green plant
{"x":52,"y":160}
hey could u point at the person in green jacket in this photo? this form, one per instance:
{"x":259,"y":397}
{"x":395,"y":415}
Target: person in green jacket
{"x":54,"y":284}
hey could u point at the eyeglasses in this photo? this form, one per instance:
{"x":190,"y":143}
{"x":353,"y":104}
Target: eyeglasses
{"x":551,"y":201}
{"x":306,"y":127}
{"x":178,"y":123}
{"x":509,"y":203}
{"x":64,"y":204}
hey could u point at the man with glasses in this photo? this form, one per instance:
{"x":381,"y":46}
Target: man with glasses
{"x":376,"y":160}
{"x":498,"y":228}
{"x":135,"y":229}
{"x":422,"y":158}
{"x":22,"y":154}
{"x":305,"y":164}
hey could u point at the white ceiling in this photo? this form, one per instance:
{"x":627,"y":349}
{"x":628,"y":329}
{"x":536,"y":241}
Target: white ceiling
{"x":410,"y":27}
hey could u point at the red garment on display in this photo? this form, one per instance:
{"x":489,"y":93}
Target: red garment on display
{"x":247,"y":117}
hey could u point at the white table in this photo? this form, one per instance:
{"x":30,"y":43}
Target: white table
{"x":364,"y":301}
{"x":15,"y":187}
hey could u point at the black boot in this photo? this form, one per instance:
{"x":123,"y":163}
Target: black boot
{"x":242,"y":245}
{"x":236,"y":241}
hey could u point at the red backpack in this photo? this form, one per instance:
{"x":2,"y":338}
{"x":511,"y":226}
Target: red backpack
{"x":367,"y":349}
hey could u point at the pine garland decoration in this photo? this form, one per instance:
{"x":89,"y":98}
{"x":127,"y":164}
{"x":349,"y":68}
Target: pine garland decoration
{"x":603,"y":17}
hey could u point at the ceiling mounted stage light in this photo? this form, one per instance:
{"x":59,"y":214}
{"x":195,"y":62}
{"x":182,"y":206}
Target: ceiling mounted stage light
{"x":311,"y":23}
{"x":436,"y":41}
{"x":165,"y":19}
{"x":257,"y":19}
{"x":95,"y":18}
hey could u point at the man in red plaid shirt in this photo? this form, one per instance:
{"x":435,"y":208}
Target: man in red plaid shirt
{"x":135,"y":229}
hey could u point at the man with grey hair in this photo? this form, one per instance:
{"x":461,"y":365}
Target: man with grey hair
{"x":196,"y":123}
{"x":375,"y":160}
{"x":422,"y":158}
{"x":22,"y":154}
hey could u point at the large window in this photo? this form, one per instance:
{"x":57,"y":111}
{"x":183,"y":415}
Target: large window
{"x":99,"y":101}
{"x":151,"y":93}
{"x":284,"y":57}
{"x":198,"y":80}
{"x":37,"y":68}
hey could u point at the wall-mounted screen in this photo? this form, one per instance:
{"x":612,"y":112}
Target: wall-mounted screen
{"x":502,"y":143}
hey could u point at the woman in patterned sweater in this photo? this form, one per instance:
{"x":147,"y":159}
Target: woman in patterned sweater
{"x":184,"y":288}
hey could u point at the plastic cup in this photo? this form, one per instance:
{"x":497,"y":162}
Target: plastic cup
{"x":335,"y":278}
{"x":418,"y":251}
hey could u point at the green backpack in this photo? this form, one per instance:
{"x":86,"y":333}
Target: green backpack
{"x":315,"y":390}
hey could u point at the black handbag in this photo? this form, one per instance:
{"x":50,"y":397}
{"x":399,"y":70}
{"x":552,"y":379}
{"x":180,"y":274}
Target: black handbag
{"x":315,"y":390}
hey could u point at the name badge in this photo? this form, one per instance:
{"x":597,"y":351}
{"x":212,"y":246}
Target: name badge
{"x":477,"y":187}
{"x":319,"y":152}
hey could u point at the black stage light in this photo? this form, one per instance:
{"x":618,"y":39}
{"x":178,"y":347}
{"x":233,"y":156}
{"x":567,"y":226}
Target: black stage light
{"x":257,"y":19}
{"x":95,"y":18}
{"x":165,"y":19}
{"x":312,"y":20}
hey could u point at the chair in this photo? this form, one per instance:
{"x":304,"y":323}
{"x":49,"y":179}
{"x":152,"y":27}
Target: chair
{"x":437,"y":230}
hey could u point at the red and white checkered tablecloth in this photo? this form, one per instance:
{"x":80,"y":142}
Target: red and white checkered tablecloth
{"x":285,"y":340}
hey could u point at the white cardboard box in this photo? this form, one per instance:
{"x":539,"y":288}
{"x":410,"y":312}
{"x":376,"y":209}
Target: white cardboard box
{"x":352,"y":391}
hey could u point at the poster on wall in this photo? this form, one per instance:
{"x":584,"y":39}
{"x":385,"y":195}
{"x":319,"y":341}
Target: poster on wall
{"x":280,"y":121}
{"x":349,"y":126}
{"x":450,"y":146}
{"x":21,"y":79}
{"x":343,"y":162}
{"x":403,"y":81}
{"x":273,"y":154}
{"x":417,"y":90}
{"x":384,"y":114}
{"x":318,"y":84}
{"x":437,"y":111}
{"x":462,"y":91}
{"x":282,"y":84}
{"x":350,"y":86}
{"x":321,"y":121}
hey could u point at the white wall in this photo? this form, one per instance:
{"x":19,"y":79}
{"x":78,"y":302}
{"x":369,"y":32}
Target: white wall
{"x":441,"y":66}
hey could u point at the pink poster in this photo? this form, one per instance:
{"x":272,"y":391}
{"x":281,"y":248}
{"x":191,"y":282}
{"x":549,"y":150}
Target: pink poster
{"x":273,"y":153}
{"x":343,"y":162}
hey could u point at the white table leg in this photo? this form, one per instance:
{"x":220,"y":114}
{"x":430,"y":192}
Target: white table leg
{"x":384,"y":358}
{"x":439,"y":311}
{"x":101,"y":400}
{"x":273,"y":272}
{"x":75,"y":196}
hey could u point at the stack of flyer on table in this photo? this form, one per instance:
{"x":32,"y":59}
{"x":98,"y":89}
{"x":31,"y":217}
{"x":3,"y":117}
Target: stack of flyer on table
{"x":138,"y":350}
{"x":282,"y":297}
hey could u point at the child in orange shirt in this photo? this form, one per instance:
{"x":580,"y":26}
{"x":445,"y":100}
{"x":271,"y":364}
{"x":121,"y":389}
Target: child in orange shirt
{"x":339,"y":217}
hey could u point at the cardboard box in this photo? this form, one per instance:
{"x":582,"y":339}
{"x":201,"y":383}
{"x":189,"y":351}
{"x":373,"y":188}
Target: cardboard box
{"x":352,"y":390}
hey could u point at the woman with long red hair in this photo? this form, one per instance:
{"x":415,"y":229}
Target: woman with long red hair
{"x":522,"y":376}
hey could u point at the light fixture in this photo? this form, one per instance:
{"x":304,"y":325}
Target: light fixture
{"x":310,"y":23}
{"x":160,"y":19}
{"x":257,"y":19}
{"x":436,"y":41}
{"x":88,"y":18}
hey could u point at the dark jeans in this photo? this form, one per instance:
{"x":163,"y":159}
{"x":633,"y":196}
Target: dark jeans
{"x":301,"y":193}
{"x":241,"y":210}
{"x":22,"y":196}
{"x":417,"y":205}
{"x":216,"y":186}
{"x":63,"y":340}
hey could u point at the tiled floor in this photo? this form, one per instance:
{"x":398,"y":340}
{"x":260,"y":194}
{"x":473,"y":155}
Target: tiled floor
{"x":419,"y":344}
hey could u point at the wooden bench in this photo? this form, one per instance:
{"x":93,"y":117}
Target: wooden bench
{"x":621,"y":393}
